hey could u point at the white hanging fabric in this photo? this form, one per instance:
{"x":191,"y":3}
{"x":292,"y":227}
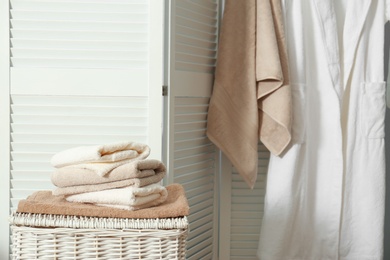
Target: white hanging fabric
{"x":325,"y":195}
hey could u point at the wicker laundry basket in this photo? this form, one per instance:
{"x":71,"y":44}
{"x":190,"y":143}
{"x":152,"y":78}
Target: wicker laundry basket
{"x":37,"y":236}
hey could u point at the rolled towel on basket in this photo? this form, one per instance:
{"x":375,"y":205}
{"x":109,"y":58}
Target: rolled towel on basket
{"x":100,"y":158}
{"x":131,"y":198}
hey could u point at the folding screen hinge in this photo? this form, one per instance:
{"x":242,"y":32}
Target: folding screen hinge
{"x":165,"y":90}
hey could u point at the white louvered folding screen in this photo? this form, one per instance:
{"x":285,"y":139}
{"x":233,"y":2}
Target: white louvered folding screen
{"x":95,"y":46}
{"x":195,"y":36}
{"x":242,"y":209}
{"x":195,"y":167}
{"x":191,"y":157}
{"x":80,"y":73}
{"x":4,"y":130}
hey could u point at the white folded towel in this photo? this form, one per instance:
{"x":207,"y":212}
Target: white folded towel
{"x":100,"y":158}
{"x":125,"y":207}
{"x":130,"y":198}
{"x":130,"y":208}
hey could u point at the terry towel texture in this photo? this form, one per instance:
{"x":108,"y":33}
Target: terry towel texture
{"x":134,"y":182}
{"x":131,"y":198}
{"x":251,"y":98}
{"x":66,"y":177}
{"x":137,"y":174}
{"x":272,"y":76}
{"x":100,"y":158}
{"x":43,"y":202}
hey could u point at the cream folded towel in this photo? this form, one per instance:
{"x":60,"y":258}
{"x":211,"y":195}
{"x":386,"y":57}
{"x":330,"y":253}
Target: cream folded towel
{"x":134,"y":182}
{"x":100,"y":158}
{"x":68,"y":176}
{"x":131,"y":197}
{"x":153,"y":203}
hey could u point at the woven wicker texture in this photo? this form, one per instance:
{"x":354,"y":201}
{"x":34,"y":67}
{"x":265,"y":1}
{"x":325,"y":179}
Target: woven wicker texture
{"x":36,"y":236}
{"x":43,"y":220}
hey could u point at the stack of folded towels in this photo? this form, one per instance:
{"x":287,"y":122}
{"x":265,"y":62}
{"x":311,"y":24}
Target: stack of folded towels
{"x":113,"y":175}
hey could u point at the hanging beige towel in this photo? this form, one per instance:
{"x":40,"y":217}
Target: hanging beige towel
{"x":273,"y":89}
{"x":100,"y":158}
{"x":139,"y":169}
{"x":43,"y":202}
{"x":251,"y":99}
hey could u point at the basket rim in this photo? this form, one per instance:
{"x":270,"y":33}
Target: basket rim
{"x":81,"y":222}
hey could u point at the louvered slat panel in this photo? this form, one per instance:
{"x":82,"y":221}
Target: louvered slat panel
{"x":79,"y":45}
{"x":85,"y":34}
{"x":44,"y":125}
{"x":196,"y":35}
{"x":85,"y":54}
{"x":77,"y":26}
{"x":194,"y":168}
{"x":247,"y":211}
{"x":98,"y":5}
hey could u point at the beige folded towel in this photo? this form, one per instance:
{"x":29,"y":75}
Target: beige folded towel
{"x":251,"y":99}
{"x":131,"y":198}
{"x":43,"y":202}
{"x":100,"y":158}
{"x":134,"y":182}
{"x":66,"y":177}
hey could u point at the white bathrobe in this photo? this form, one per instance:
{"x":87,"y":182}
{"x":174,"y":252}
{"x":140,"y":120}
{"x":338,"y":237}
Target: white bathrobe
{"x":325,"y":195}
